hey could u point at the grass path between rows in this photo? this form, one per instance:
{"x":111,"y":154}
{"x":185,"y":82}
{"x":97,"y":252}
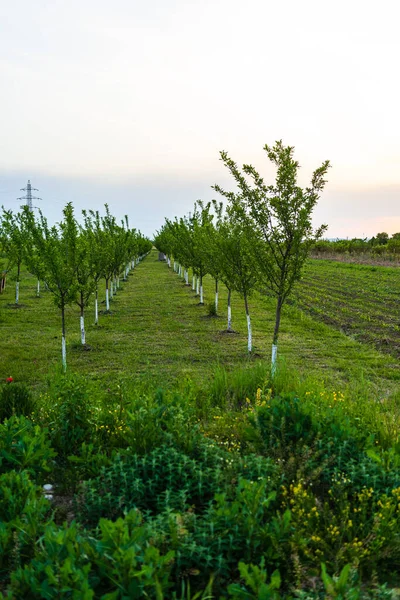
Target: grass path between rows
{"x":158,"y":333}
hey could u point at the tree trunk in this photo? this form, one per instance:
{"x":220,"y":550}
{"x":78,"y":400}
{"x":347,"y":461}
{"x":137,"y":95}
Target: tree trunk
{"x":107,"y":297}
{"x":201,"y":290}
{"x":193,"y":283}
{"x":96,"y":307}
{"x":17,"y":285}
{"x":216,"y":295}
{"x":197,"y":285}
{"x":82,"y":322}
{"x":276,"y":335}
{"x":38,"y":289}
{"x":249,"y":335}
{"x":229,"y":311}
{"x":63,"y":340}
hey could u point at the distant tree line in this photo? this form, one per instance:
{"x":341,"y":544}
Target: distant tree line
{"x":379,"y":245}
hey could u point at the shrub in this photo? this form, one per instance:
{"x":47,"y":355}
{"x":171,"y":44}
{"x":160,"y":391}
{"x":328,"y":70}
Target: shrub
{"x":15,"y":399}
{"x":164,"y":478}
{"x":69,"y":412}
{"x":25,"y":446}
{"x":117,"y":562}
{"x":23,"y":511}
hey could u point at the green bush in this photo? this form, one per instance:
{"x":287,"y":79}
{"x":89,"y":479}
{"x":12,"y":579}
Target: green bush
{"x":25,"y":446}
{"x":15,"y":399}
{"x":23,"y":513}
{"x":115,"y":563}
{"x":69,"y":411}
{"x":164,"y":478}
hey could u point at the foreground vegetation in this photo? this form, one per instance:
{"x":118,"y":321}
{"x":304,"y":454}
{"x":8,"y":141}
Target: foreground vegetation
{"x":173,"y":476}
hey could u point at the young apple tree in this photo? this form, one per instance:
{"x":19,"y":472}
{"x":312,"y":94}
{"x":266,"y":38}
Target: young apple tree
{"x":56,"y":248}
{"x":13,"y":243}
{"x":280,"y":218}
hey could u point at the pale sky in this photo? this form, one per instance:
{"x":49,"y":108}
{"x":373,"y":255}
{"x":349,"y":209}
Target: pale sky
{"x":130,"y":102}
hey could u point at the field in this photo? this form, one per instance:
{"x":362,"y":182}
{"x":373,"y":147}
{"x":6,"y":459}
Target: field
{"x":363,"y":301}
{"x":179,"y":466}
{"x":157,"y":332}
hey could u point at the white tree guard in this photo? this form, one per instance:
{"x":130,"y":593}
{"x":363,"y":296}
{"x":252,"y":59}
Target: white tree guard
{"x":249,"y":335}
{"x":83,"y":335}
{"x":17,"y":292}
{"x":273,"y":358}
{"x":107,"y":301}
{"x":64,"y":352}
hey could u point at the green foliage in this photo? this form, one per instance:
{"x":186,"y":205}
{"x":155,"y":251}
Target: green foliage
{"x":70,"y":413}
{"x":277,"y":219}
{"x":15,"y":399}
{"x":117,"y":562}
{"x":24,"y":446}
{"x":255,"y":578}
{"x":23,"y":510}
{"x":163,"y":478}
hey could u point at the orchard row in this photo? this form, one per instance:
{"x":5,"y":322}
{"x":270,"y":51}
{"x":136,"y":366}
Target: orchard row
{"x":71,"y":258}
{"x":260,"y":239}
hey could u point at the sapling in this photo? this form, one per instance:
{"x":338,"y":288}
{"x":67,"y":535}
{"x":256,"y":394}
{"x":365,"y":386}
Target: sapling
{"x":279,"y":217}
{"x":55,"y":247}
{"x":13,"y":241}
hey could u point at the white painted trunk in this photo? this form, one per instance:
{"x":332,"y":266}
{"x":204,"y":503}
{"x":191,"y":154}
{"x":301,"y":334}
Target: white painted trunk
{"x":64,"y":352}
{"x":169,"y":262}
{"x":83,"y":336}
{"x":273,"y":358}
{"x":249,"y":337}
{"x":96,"y":311}
{"x":111,"y":290}
{"x":201,"y":295}
{"x":229,"y":317}
{"x":216,"y":301}
{"x":38,"y":288}
{"x":197,"y":286}
{"x":17,"y":292}
{"x":193,"y":283}
{"x":187,"y":277}
{"x":133,"y":264}
{"x":107,"y":301}
{"x":118,"y":283}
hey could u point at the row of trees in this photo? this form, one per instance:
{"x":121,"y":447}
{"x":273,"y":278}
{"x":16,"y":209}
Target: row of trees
{"x":259,"y":238}
{"x":71,"y":258}
{"x":380,"y":244}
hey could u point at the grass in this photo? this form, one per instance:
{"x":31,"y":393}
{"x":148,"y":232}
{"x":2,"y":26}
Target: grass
{"x":157,"y":334}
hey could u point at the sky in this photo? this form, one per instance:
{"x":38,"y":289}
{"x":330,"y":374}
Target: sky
{"x":130,"y":102}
